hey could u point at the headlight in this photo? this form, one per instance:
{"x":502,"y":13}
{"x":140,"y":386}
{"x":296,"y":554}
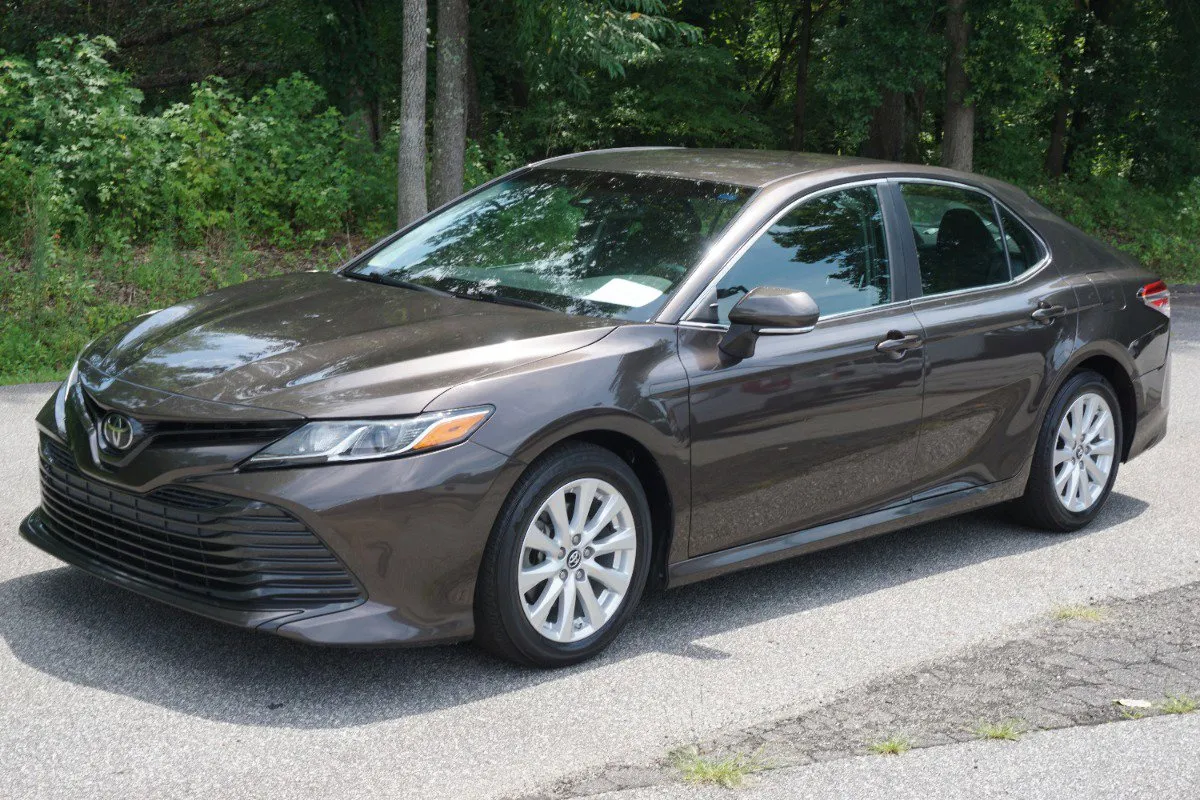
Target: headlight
{"x":360,"y":440}
{"x":60,"y":399}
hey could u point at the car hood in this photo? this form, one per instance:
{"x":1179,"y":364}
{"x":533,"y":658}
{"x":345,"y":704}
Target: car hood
{"x":320,"y":344}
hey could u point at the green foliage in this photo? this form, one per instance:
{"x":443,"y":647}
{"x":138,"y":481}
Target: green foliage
{"x":1013,"y":64}
{"x":1159,"y":228}
{"x":274,"y":165}
{"x":64,"y":299}
{"x":583,"y":39}
{"x":884,"y":45}
{"x":655,"y":103}
{"x":488,"y":159}
{"x":134,"y":177}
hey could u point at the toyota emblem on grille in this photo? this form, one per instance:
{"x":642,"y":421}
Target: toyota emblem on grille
{"x":117,"y":431}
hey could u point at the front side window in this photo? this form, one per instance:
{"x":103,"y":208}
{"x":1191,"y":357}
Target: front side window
{"x":957,"y":237}
{"x":831,"y":246}
{"x":580,"y":242}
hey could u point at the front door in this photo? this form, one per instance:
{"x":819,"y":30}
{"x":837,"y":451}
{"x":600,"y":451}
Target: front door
{"x":814,"y":426}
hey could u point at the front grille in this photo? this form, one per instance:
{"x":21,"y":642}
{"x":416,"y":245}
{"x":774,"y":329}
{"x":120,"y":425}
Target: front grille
{"x":218,"y":549}
{"x":164,"y":433}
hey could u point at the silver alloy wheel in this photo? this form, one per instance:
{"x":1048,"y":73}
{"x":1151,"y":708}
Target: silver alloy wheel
{"x":1084,"y":452}
{"x":576,"y":560}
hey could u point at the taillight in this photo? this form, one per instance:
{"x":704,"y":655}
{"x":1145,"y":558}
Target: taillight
{"x":1156,"y":295}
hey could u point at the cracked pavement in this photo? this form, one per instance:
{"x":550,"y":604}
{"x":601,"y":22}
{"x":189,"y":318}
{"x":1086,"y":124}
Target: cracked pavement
{"x":110,"y":695}
{"x":1053,"y":673}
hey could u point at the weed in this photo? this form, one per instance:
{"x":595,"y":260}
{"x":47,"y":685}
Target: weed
{"x":1007,"y":730}
{"x":1085,"y":613}
{"x":891,"y":746}
{"x":730,"y":771}
{"x":1178,"y":704}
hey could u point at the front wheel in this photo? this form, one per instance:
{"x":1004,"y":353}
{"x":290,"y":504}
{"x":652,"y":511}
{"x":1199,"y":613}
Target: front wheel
{"x":567,"y":560}
{"x":1077,"y":456}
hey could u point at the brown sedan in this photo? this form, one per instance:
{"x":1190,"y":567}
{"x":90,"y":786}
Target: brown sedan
{"x":600,"y":371}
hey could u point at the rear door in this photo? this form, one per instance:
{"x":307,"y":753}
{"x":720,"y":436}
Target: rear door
{"x":814,"y":426}
{"x":997,"y":318}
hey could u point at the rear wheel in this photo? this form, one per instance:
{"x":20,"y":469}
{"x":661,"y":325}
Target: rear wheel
{"x":567,"y":559}
{"x":1077,"y":456}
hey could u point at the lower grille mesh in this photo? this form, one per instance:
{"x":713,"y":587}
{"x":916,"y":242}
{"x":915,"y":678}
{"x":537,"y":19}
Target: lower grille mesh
{"x":218,"y":549}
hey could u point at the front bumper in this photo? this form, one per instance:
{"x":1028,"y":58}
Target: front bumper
{"x":409,"y":531}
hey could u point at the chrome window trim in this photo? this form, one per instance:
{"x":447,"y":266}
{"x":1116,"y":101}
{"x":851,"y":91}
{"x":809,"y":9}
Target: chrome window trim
{"x":685,"y":318}
{"x":1028,"y":274}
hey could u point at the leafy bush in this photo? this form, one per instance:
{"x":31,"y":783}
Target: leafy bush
{"x":1160,"y":229}
{"x":274,"y":166}
{"x":654,"y":102}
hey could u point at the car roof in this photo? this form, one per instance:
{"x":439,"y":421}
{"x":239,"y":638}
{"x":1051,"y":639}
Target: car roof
{"x":754,"y":168}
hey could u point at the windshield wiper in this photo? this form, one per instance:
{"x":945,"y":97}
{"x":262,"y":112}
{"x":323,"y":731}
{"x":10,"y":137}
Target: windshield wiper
{"x":485,"y":297}
{"x":400,"y":283}
{"x":502,"y":299}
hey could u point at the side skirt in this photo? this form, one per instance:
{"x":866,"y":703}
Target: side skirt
{"x":843,"y":531}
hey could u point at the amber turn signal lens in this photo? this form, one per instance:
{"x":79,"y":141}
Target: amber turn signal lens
{"x":451,"y":430}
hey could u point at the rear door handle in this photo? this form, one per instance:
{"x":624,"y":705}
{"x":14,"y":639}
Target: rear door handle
{"x":897,"y":343}
{"x":1047,"y":313}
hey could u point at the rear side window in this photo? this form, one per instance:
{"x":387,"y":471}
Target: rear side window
{"x":957,"y":235}
{"x":1023,"y":249}
{"x":831,"y":246}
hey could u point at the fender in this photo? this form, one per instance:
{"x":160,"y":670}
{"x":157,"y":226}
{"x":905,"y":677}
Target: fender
{"x":1111,"y":349}
{"x":630,"y":383}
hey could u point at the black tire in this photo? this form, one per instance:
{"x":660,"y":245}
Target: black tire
{"x":1040,"y":506}
{"x":501,"y":626}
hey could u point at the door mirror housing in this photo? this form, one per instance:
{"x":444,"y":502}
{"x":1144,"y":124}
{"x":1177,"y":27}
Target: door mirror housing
{"x":767,"y":311}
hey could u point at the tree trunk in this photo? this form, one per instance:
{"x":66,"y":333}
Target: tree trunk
{"x":799,"y":108}
{"x":886,"y":135}
{"x":914,"y":115}
{"x":1101,"y":17}
{"x":410,"y":172}
{"x":958,"y":137}
{"x":1056,"y":152}
{"x":474,"y":107}
{"x":450,"y":102}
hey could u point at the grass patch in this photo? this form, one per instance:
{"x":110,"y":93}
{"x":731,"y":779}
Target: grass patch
{"x":730,"y":771}
{"x":51,"y":310}
{"x":1082,"y":612}
{"x":1178,"y":704}
{"x":891,"y":746}
{"x":1008,"y":730}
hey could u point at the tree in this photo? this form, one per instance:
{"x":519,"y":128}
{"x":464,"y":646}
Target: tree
{"x":799,"y":105}
{"x":881,"y":58}
{"x":1056,"y":151}
{"x":449,"y":107}
{"x":958,"y":131}
{"x":410,"y":172}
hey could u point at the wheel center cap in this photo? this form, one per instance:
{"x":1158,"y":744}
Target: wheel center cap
{"x":574,"y":558}
{"x":1079,"y":453}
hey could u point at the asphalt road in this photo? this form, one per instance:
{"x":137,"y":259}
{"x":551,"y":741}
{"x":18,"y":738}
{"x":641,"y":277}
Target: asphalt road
{"x":108,"y":695}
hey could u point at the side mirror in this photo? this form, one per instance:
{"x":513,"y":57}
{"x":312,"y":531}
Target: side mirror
{"x":767,"y":311}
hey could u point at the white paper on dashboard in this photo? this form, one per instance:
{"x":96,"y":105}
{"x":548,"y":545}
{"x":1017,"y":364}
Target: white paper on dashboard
{"x":621,"y":292}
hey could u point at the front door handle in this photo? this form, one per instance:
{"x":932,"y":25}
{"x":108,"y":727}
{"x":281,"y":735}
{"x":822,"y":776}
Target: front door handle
{"x":1047,"y":313}
{"x":897,"y":343}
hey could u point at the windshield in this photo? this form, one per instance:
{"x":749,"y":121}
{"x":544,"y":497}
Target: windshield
{"x":579,"y":242}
